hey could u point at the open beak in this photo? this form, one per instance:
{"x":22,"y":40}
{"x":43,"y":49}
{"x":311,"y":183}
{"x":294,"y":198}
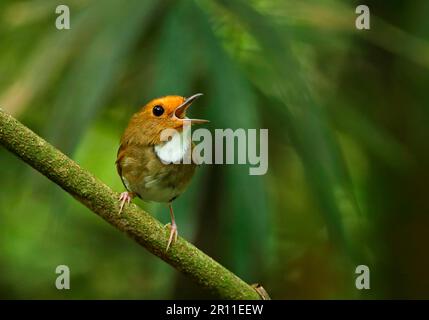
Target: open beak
{"x":181,"y":110}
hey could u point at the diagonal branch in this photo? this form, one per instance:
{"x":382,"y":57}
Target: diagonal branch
{"x":135,"y":222}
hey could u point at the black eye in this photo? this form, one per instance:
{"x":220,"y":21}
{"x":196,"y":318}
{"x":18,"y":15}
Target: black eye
{"x":158,"y":110}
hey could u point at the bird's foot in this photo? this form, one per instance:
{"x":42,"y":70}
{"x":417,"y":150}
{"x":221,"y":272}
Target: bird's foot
{"x":173,"y":234}
{"x":125,"y":197}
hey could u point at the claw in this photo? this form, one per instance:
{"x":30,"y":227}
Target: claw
{"x":125,"y":197}
{"x":173,"y":235}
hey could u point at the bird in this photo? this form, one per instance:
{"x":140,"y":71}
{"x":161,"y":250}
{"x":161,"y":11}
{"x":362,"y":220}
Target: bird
{"x":152,"y":167}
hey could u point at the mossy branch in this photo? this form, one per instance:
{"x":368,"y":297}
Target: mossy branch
{"x":135,"y":222}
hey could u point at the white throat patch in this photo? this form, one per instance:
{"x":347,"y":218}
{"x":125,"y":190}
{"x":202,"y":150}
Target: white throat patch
{"x":174,"y":150}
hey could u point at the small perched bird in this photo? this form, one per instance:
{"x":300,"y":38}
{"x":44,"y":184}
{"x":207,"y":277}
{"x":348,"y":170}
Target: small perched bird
{"x":151,"y":168}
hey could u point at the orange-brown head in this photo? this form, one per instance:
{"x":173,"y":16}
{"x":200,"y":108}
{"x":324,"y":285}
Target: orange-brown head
{"x":167,"y":112}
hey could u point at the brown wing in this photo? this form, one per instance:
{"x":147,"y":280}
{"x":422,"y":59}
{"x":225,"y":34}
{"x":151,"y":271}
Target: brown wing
{"x":119,"y":157}
{"x":131,"y":164}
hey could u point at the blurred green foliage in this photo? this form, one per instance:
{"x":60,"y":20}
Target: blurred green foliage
{"x":348,"y":132}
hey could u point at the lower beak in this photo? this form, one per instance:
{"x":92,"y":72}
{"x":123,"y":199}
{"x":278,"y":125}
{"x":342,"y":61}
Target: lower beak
{"x":180,"y":110}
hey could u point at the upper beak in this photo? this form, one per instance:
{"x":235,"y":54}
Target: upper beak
{"x":180,"y":110}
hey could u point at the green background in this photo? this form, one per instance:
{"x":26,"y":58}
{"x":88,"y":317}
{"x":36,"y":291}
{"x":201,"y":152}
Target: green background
{"x":347,"y":113}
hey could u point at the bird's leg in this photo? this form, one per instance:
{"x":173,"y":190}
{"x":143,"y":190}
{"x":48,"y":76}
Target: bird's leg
{"x":125,"y":197}
{"x":173,"y":231}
